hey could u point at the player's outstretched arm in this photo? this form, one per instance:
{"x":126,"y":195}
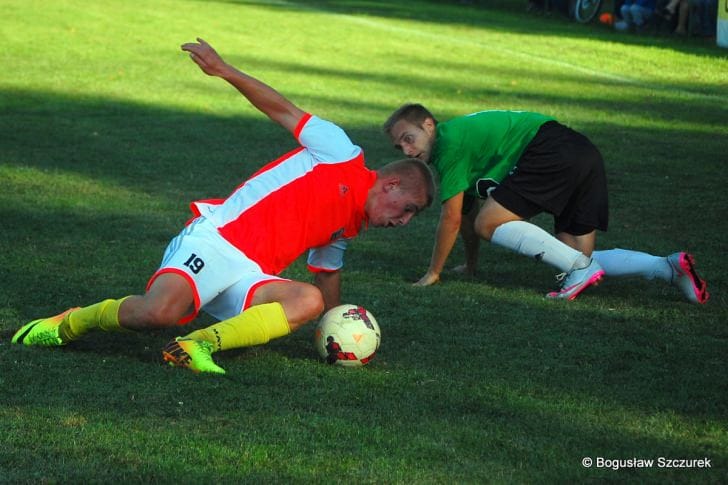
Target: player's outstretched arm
{"x":447,"y":233}
{"x":265,"y":98}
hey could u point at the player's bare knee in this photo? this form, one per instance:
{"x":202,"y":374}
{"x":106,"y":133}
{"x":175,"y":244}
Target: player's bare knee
{"x":311,"y":302}
{"x":485,"y":228}
{"x":161,"y":316}
{"x":306,"y":305}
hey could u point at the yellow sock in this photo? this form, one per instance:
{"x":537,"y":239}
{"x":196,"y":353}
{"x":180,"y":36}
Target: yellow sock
{"x":255,"y":326}
{"x":103,"y":315}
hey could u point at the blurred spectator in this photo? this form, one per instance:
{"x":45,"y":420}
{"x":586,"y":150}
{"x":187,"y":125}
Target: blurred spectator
{"x":694,"y":17}
{"x":679,"y":8}
{"x":635,"y":14}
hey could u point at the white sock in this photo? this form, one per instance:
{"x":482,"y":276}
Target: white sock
{"x":625,"y":262}
{"x":532,"y":241}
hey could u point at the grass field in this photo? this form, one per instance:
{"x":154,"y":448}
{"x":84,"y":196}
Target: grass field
{"x":108,"y":131}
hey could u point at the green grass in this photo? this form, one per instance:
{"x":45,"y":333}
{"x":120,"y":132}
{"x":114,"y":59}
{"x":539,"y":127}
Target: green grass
{"x":108,"y":131}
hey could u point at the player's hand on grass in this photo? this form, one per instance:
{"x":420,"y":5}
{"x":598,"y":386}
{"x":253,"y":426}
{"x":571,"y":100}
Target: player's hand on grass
{"x":430,"y":278}
{"x":206,"y":57}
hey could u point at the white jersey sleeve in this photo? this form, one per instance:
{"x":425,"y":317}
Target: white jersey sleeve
{"x":327,"y":142}
{"x":327,"y":258}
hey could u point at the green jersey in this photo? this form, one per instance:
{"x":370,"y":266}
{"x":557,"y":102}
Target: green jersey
{"x":485,"y":145}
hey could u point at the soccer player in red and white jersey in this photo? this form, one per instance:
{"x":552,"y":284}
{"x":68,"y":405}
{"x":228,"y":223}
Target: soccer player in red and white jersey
{"x":226,"y":261}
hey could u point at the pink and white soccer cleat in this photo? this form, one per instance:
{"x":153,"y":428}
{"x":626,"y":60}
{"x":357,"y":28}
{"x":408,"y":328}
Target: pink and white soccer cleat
{"x":577,"y":280}
{"x":686,"y":278}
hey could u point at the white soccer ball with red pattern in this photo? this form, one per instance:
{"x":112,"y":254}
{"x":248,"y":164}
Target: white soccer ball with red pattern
{"x":347,"y":335}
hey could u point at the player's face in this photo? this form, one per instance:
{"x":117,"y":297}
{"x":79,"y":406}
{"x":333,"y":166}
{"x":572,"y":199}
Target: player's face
{"x":394,"y":206}
{"x":415,"y":141}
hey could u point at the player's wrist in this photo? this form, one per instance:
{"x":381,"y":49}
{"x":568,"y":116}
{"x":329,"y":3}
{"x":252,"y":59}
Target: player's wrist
{"x":229,"y":72}
{"x":432,"y":276}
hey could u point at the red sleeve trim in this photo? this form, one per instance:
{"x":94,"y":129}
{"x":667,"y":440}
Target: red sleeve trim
{"x":301,"y":123}
{"x":196,"y":210}
{"x":314,"y":269}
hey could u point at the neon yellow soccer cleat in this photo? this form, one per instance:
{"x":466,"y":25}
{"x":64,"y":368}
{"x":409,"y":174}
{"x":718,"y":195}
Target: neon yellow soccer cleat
{"x":42,"y":332}
{"x":195,"y":355}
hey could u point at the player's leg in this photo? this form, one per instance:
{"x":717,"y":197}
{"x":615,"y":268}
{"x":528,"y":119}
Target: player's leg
{"x":301,"y":302}
{"x":174,"y":293}
{"x":169,"y":299}
{"x":677,"y":269}
{"x":624,"y":263}
{"x":584,"y":243}
{"x":254,"y":311}
{"x":273,"y":309}
{"x":587,"y":209}
{"x":471,"y":239}
{"x":505,"y":228}
{"x":582,"y":208}
{"x":562,"y":173}
{"x":589,"y":272}
{"x":164,"y":304}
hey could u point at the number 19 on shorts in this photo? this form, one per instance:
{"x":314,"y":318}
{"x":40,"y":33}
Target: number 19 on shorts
{"x":194,"y":263}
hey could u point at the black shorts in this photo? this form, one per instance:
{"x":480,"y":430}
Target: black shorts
{"x":560,"y":172}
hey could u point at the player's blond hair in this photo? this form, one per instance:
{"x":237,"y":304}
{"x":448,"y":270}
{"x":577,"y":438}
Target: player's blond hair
{"x":414,"y":176}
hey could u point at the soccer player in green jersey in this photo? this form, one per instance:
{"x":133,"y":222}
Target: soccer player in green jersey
{"x":522,"y":164}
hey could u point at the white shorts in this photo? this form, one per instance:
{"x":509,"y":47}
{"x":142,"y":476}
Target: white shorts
{"x":222,"y":278}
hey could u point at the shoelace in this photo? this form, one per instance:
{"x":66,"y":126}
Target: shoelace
{"x":45,"y":337}
{"x":675,"y":273}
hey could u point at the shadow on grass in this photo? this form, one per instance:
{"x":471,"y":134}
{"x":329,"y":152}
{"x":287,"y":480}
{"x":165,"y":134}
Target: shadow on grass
{"x":172,"y":154}
{"x":656,"y":100}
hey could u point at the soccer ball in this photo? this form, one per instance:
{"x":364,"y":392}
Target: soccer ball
{"x":347,"y":335}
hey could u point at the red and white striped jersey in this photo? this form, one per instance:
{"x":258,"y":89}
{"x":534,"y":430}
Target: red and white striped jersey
{"x":311,"y":197}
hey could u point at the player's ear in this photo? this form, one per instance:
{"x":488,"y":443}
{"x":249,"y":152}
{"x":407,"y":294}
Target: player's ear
{"x":391,"y":182}
{"x":428,"y":125}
